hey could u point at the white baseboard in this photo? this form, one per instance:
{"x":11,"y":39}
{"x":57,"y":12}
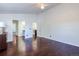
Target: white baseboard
{"x":60,"y":41}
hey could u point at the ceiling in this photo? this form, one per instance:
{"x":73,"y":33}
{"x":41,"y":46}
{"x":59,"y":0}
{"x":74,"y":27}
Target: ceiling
{"x":23,"y":7}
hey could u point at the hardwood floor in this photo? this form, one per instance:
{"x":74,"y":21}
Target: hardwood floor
{"x":44,"y":47}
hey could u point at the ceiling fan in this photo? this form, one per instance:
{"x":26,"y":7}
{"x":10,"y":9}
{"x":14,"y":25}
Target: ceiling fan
{"x":41,"y":5}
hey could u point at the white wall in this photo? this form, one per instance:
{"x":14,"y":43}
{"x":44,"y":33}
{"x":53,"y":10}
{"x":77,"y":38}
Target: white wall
{"x":62,"y":23}
{"x":7,"y":18}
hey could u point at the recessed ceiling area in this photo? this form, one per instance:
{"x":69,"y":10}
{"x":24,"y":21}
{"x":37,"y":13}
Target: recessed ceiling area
{"x":23,"y":7}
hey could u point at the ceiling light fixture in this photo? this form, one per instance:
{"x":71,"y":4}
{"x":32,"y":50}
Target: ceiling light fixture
{"x":41,"y":5}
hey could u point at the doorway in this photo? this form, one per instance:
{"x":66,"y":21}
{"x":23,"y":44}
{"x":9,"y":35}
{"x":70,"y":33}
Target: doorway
{"x":15,"y":31}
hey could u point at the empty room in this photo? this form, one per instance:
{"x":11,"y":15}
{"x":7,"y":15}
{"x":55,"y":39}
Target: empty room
{"x":39,"y":29}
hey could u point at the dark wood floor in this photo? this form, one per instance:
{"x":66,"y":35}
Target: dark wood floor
{"x":45,"y":47}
